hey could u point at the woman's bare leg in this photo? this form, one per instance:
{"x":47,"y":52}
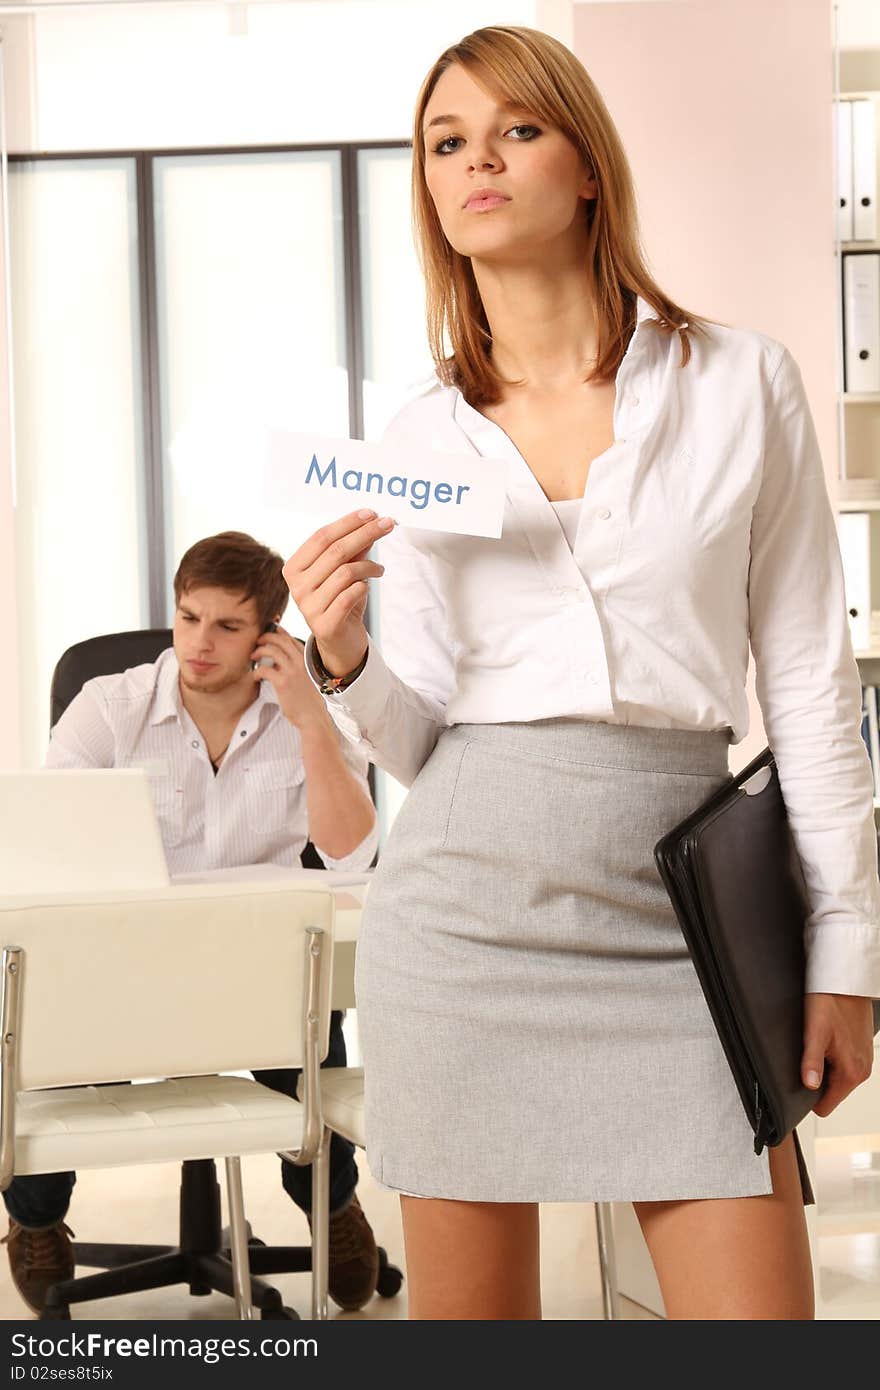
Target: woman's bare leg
{"x":471,"y":1260}
{"x":742,"y":1257}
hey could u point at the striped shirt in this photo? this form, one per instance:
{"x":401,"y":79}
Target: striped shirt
{"x":252,"y":812}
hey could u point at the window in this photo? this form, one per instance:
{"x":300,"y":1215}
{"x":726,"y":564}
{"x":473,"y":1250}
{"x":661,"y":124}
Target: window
{"x":80,"y":533}
{"x":251,"y":324}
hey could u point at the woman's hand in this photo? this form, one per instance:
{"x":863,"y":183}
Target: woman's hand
{"x":839,"y":1042}
{"x":327,"y":579}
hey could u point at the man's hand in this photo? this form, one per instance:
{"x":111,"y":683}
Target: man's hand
{"x":340,"y":812}
{"x":839,"y":1041}
{"x":300,"y":702}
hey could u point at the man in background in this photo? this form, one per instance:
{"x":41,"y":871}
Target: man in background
{"x":245,"y":766}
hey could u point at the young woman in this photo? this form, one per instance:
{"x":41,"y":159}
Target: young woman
{"x":532,"y":1027}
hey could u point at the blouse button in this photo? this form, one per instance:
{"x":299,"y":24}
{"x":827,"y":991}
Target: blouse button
{"x":604,"y":514}
{"x":195,"y":743}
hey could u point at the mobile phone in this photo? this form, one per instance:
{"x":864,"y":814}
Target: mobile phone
{"x":265,"y":660}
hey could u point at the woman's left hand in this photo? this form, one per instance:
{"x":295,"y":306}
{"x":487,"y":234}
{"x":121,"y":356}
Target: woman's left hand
{"x":838,"y":1043}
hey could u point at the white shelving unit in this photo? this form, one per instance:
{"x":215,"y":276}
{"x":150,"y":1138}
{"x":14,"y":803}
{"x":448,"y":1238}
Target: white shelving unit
{"x":859,"y":412}
{"x":843,"y":1151}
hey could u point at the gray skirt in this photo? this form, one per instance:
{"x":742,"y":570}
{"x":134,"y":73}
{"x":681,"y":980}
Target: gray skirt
{"x":531,"y":1023}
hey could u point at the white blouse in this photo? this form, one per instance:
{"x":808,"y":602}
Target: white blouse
{"x":706,"y":526}
{"x":568,"y":514}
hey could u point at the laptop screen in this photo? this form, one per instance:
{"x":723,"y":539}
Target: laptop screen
{"x":74,"y":831}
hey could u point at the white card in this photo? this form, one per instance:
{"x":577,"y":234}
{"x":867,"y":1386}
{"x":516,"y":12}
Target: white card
{"x":464,"y":493}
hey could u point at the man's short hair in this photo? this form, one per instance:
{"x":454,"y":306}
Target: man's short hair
{"x":235,"y":561}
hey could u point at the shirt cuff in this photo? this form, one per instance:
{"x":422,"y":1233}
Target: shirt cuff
{"x":361,"y":857}
{"x":315,"y":675}
{"x":360,"y":705}
{"x":844,"y":960}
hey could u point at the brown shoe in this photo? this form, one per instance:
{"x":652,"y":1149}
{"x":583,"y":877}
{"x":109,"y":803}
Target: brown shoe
{"x":353,"y":1258}
{"x":38,"y":1259}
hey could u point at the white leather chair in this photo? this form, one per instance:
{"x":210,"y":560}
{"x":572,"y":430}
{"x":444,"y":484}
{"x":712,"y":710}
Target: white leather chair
{"x":342,"y":1101}
{"x":183,"y":984}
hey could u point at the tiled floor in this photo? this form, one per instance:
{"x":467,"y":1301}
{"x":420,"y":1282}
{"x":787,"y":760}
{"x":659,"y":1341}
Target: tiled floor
{"x":140,"y":1204}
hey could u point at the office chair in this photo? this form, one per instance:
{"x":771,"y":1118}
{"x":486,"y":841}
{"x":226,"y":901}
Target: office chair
{"x":129,"y":1268}
{"x":102,"y":656}
{"x":61,"y":1104}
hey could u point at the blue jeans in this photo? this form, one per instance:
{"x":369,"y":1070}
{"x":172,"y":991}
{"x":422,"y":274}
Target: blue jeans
{"x":43,"y":1198}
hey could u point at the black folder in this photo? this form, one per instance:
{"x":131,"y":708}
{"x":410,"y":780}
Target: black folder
{"x":734,"y":878}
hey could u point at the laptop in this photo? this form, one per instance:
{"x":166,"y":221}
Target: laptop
{"x":69,"y":831}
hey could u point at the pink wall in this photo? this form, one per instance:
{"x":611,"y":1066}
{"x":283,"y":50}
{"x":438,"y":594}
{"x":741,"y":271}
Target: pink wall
{"x":18,"y":32}
{"x":725,"y":111}
{"x":10,"y":752}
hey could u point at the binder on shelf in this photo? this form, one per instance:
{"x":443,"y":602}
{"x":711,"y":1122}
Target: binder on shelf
{"x":873,"y":734}
{"x":843,"y":126}
{"x":858,"y":490}
{"x":871,"y":740}
{"x":864,"y":163}
{"x":861,"y":321}
{"x":854,"y":535}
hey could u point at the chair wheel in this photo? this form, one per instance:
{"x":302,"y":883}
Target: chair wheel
{"x":280,"y":1315}
{"x":390,"y":1278}
{"x":55,"y":1312}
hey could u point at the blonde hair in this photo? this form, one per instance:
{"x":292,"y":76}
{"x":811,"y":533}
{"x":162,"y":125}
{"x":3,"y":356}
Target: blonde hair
{"x":528,"y":68}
